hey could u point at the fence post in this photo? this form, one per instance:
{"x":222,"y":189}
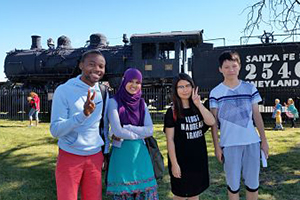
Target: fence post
{"x":23,"y":106}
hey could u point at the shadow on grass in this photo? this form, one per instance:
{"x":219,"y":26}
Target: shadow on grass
{"x":281,"y":178}
{"x":12,"y":126}
{"x":164,"y":187}
{"x":48,"y":140}
{"x":20,"y":179}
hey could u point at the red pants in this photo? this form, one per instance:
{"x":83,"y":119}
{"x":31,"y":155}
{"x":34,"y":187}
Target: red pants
{"x":73,"y":171}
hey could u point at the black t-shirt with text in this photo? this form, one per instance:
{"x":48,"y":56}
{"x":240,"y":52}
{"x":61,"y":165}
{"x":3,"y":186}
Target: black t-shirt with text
{"x":191,"y":152}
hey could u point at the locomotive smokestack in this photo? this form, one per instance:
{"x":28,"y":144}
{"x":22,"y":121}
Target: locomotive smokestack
{"x":36,"y":42}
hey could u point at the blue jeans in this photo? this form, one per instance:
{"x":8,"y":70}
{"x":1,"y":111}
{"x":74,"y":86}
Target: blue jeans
{"x":33,"y":112}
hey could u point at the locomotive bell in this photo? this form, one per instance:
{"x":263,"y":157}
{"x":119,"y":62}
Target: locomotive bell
{"x":50,"y":43}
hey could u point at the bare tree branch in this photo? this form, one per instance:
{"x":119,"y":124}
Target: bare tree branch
{"x":280,"y":14}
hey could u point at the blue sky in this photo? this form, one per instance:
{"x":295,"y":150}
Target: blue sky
{"x":78,"y":19}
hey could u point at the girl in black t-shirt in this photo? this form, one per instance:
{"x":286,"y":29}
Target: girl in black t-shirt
{"x":185,"y":124}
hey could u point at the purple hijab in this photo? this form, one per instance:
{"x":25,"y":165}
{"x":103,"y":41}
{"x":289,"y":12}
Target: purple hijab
{"x":131,"y":107}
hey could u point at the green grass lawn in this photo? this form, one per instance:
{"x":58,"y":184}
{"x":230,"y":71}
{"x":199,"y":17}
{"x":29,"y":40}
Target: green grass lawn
{"x":28,"y":156}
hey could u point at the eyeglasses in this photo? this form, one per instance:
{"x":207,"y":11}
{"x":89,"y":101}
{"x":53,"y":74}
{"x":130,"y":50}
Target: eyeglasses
{"x":181,"y":87}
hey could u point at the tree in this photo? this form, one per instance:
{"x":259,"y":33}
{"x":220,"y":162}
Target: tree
{"x":277,"y":14}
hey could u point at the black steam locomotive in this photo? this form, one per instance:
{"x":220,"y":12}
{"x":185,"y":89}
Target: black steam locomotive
{"x":273,"y":67}
{"x":158,"y":56}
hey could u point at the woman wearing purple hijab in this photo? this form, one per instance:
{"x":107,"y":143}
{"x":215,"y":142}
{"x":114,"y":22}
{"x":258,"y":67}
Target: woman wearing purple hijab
{"x":130,"y":173}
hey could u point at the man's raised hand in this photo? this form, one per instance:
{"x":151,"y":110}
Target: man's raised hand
{"x":89,"y":105}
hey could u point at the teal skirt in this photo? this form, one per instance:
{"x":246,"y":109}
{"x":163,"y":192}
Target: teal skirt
{"x":130,"y":169}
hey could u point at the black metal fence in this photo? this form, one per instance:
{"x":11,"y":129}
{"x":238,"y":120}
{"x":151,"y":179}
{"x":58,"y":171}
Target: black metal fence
{"x":14,"y":105}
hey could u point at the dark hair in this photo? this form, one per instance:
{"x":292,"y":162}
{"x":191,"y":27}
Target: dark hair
{"x":229,"y":55}
{"x":177,"y":103}
{"x":89,"y":52}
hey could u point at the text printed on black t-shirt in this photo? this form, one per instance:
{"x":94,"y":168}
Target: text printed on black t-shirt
{"x":192,"y":127}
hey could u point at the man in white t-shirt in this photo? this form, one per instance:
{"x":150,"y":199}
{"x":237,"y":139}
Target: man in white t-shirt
{"x":234,"y":103}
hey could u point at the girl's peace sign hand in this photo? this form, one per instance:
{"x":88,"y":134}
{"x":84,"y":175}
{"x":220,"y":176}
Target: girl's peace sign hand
{"x":89,"y":105}
{"x":196,"y":97}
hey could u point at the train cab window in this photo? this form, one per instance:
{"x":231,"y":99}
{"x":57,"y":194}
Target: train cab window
{"x":148,"y":51}
{"x":167,"y":50}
